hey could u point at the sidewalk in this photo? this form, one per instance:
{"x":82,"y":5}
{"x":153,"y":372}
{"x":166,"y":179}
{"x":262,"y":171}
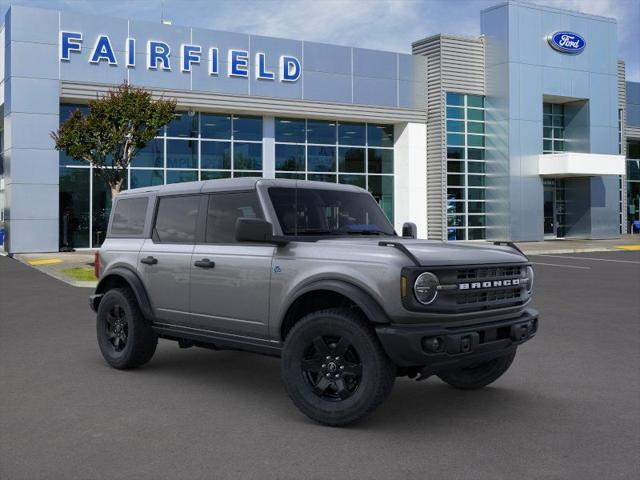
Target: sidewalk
{"x":70,"y":267}
{"x":626,"y":242}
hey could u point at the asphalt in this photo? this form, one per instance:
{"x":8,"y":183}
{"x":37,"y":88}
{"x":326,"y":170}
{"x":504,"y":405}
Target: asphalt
{"x":569,"y":407}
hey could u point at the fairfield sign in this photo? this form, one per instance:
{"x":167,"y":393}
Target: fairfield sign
{"x":159,"y":56}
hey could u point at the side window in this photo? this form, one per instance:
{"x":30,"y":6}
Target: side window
{"x":224,"y":210}
{"x":176,"y":219}
{"x":129,"y":215}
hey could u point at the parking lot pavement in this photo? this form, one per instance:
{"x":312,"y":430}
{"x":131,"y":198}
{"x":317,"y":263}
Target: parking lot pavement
{"x":568,"y":408}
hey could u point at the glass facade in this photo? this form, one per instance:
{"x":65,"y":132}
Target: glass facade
{"x":344,"y":152}
{"x":466,"y":173}
{"x":194,"y":146}
{"x":205,"y":146}
{"x":552,"y":128}
{"x":633,"y":182}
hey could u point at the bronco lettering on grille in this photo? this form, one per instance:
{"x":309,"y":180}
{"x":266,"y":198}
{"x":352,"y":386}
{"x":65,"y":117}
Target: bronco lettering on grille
{"x":489,"y":284}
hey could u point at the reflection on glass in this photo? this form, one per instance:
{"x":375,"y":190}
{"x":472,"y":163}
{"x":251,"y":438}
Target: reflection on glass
{"x":247,"y":127}
{"x":290,"y":130}
{"x":179,"y":176}
{"x":290,"y":157}
{"x":321,"y":178}
{"x":146,"y":178}
{"x":205,"y":175}
{"x":320,"y":131}
{"x":101,"y":207}
{"x":357,"y":180}
{"x":215,"y":126}
{"x":380,"y":161}
{"x":151,"y":155}
{"x":379,"y":135}
{"x":321,"y":159}
{"x":381,"y":187}
{"x":351,"y":133}
{"x":351,"y":160}
{"x":74,"y":207}
{"x":215,"y":155}
{"x":184,"y":124}
{"x":247,"y":156}
{"x":182,"y":154}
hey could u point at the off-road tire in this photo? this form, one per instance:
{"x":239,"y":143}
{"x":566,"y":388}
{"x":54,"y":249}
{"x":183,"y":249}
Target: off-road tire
{"x":478,"y":376}
{"x":141,"y":341}
{"x":377,"y":372}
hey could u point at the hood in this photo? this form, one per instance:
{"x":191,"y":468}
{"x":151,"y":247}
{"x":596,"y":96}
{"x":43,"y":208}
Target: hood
{"x":436,"y":253}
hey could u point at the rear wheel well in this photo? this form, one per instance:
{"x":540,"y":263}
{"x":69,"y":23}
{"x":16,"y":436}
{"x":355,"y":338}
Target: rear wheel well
{"x":111,"y":282}
{"x":312,"y":302}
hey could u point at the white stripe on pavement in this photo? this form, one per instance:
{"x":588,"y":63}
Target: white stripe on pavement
{"x":559,"y":265}
{"x":590,"y":258}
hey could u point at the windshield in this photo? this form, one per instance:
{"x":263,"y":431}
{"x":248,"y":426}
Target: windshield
{"x":305,"y":211}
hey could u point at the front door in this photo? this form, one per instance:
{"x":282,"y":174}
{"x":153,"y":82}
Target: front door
{"x":555,"y":208}
{"x":230,"y":281}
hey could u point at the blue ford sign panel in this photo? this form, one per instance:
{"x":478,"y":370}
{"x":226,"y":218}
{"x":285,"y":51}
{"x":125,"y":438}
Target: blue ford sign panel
{"x":567,"y":42}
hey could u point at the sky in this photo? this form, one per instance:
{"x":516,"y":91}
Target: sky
{"x":378,"y":24}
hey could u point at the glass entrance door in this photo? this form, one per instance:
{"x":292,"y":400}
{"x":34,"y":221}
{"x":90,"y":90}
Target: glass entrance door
{"x":555,"y":208}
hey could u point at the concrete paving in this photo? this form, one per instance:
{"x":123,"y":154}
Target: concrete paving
{"x":569,"y":407}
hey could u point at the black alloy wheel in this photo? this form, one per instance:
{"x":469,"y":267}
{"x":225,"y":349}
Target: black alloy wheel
{"x":332,"y":367}
{"x":117,"y":327}
{"x":126,"y":339}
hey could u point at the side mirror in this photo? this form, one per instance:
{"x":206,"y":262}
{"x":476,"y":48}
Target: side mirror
{"x":253,"y":230}
{"x":409,"y":230}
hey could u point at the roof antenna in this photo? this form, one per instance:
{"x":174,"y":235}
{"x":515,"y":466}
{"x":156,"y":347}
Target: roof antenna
{"x":162,"y":19}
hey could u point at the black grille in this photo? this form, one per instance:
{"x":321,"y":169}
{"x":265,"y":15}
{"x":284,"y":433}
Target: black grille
{"x":487,"y":297}
{"x":489,"y":272}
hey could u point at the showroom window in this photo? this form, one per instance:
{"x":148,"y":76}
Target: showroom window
{"x":633,"y":182}
{"x":193,"y":146}
{"x":466,"y":181}
{"x":351,"y":153}
{"x":552,"y":128}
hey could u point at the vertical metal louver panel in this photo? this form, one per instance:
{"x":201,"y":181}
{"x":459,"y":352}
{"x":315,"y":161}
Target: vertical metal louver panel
{"x":454,"y":64}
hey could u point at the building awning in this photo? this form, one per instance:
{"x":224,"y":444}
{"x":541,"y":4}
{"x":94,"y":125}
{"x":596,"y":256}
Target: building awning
{"x":573,"y":164}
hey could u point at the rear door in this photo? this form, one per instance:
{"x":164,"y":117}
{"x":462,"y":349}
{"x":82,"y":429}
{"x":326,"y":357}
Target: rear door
{"x":230,"y":280}
{"x":165,"y":259}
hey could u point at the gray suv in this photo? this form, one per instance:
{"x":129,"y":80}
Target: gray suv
{"x":315,"y":274}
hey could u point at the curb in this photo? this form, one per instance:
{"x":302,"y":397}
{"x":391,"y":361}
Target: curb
{"x":571,"y":250}
{"x":57,"y":276}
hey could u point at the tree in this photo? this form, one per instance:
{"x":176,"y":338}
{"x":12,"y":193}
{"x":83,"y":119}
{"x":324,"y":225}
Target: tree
{"x":117,"y":126}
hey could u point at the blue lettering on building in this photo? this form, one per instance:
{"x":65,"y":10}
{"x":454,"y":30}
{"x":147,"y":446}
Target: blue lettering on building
{"x":567,"y":42}
{"x":158,"y":53}
{"x":261,"y":68}
{"x":103,"y":51}
{"x":238,"y":63}
{"x":69,"y":42}
{"x":159,"y":56}
{"x":190,"y":56}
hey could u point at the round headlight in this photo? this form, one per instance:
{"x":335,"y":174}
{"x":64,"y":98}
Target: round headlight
{"x":529,"y":279}
{"x":426,"y":288}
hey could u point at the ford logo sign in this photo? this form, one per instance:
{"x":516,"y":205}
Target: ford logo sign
{"x":567,"y":42}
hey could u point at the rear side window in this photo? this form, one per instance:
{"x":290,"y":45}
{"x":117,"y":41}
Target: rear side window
{"x":224,"y":209}
{"x":129,"y":215}
{"x":176,"y":219}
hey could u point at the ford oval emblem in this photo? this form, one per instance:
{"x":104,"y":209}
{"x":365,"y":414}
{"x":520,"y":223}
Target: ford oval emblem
{"x":567,"y":42}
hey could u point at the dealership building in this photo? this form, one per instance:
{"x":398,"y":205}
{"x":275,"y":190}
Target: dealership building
{"x":527,"y":132}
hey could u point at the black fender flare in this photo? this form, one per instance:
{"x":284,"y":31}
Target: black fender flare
{"x":133,"y":281}
{"x":369,"y":306}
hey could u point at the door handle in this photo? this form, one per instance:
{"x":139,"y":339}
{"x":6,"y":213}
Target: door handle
{"x":204,"y":263}
{"x":149,"y":260}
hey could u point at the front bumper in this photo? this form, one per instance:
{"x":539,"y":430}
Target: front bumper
{"x":439,"y":348}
